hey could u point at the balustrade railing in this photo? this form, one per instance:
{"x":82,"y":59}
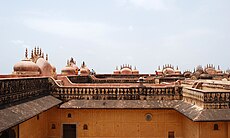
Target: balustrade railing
{"x":207,"y":99}
{"x":15,"y":90}
{"x":117,"y":93}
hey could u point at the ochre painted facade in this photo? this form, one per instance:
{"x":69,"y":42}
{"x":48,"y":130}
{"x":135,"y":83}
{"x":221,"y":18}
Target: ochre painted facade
{"x":120,"y":123}
{"x":35,"y":127}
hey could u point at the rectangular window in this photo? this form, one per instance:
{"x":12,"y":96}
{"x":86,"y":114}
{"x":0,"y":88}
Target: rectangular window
{"x":171,"y":134}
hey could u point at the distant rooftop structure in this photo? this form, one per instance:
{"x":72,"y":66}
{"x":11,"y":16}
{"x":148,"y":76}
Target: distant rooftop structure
{"x":37,"y":102}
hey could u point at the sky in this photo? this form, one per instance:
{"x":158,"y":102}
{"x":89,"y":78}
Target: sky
{"x":109,"y":33}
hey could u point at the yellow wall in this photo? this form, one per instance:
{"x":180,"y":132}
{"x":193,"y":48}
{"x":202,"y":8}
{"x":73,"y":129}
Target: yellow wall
{"x":207,"y":130}
{"x":34,"y":128}
{"x":190,"y":128}
{"x":120,"y":123}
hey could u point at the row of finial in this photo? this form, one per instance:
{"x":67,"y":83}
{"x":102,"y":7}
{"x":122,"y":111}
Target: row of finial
{"x":168,"y":66}
{"x":126,"y":66}
{"x":212,"y":66}
{"x":36,"y":53}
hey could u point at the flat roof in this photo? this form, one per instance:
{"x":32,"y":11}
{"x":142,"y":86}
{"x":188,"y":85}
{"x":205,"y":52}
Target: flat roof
{"x":193,"y":112}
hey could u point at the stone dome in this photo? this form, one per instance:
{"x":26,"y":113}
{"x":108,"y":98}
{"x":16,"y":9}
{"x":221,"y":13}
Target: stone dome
{"x":135,"y":71}
{"x":26,"y":67}
{"x":219,"y":71}
{"x":210,"y":71}
{"x":187,"y":74}
{"x":84,"y":71}
{"x":168,"y":71}
{"x":45,"y":67}
{"x":75,"y":67}
{"x":116,"y":71}
{"x":68,"y":71}
{"x":177,"y":71}
{"x":126,"y":71}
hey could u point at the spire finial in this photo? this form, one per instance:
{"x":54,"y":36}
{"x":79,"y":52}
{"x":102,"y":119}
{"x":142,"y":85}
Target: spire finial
{"x":68,"y":64}
{"x":40,"y":53}
{"x":83,"y":64}
{"x":38,"y":50}
{"x":35,"y":51}
{"x":32,"y":53}
{"x":26,"y":54}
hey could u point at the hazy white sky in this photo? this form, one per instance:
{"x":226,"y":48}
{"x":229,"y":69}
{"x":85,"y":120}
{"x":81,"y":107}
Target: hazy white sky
{"x":108,"y":33}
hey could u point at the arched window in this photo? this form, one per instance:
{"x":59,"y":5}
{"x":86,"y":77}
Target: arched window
{"x":216,"y":127}
{"x":85,"y":127}
{"x":69,"y":115}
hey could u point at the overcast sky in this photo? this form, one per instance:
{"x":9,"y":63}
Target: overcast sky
{"x":108,"y":33}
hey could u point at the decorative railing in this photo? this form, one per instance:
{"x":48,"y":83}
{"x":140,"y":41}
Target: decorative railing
{"x":194,"y":96}
{"x":16,"y":90}
{"x":207,"y":99}
{"x":118,"y":93}
{"x":109,"y":79}
{"x":217,"y":99}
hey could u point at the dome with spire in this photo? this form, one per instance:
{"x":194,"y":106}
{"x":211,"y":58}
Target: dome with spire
{"x":177,"y":71}
{"x":210,"y":69}
{"x":71,"y":68}
{"x":45,"y":67}
{"x":219,"y":71}
{"x":116,"y":71}
{"x":135,"y":71}
{"x":37,"y":64}
{"x":72,"y":63}
{"x":68,"y":70}
{"x":84,"y":70}
{"x":26,"y":67}
{"x":168,"y":69}
{"x":126,"y":69}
